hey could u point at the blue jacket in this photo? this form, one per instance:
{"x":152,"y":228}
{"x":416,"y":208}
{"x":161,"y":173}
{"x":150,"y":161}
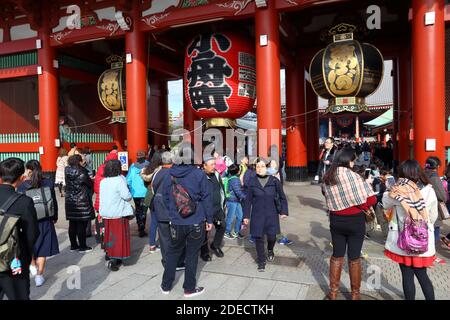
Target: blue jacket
{"x":235,"y":190}
{"x":259,"y":206}
{"x":134,"y":180}
{"x":196,"y":184}
{"x":250,"y":173}
{"x":114,"y":198}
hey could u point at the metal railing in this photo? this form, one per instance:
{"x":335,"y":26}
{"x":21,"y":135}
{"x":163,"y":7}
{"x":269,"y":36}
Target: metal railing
{"x":71,"y":137}
{"x":19,"y":137}
{"x":88,"y":137}
{"x":25,"y":156}
{"x":98,"y":158}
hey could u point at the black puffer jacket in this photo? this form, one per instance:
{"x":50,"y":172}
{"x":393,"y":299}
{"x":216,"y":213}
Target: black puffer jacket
{"x":78,"y":200}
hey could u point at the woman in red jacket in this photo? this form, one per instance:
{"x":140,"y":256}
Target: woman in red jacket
{"x":99,"y":226}
{"x":347,"y":197}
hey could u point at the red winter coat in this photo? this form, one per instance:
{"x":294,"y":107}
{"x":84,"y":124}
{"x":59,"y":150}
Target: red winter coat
{"x":99,"y":177}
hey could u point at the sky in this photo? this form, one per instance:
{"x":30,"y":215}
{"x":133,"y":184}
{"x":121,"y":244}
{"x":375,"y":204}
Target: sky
{"x":176,"y":94}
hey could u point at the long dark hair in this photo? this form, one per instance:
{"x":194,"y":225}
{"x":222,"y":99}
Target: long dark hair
{"x":155,"y":162}
{"x":36,"y":173}
{"x":411,"y":170}
{"x":341,"y":159}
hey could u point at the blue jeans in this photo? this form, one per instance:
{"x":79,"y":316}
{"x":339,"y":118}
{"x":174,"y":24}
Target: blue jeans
{"x":234,"y":210}
{"x":153,"y":228}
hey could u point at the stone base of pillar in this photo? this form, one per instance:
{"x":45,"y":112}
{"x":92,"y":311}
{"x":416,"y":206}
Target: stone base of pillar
{"x":296,"y":174}
{"x":312,"y":167}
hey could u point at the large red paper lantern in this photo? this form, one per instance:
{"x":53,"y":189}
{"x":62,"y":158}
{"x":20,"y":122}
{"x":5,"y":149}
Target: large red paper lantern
{"x":220,"y":76}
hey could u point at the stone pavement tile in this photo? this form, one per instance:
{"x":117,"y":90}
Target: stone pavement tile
{"x":249,"y":271}
{"x":293,"y":276}
{"x":232,"y":254}
{"x":232,"y":288}
{"x":259,"y":289}
{"x":146,"y":291}
{"x":285,"y":291}
{"x":303,"y":292}
{"x":121,"y":288}
{"x":211,"y":282}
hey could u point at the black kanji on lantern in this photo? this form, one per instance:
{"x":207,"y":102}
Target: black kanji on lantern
{"x":207,"y":86}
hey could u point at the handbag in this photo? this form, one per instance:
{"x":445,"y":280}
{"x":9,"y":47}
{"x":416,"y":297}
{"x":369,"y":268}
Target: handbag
{"x":413,"y":239}
{"x":443,"y":211}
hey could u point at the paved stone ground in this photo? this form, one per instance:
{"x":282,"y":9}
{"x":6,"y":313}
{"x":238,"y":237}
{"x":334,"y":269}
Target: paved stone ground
{"x":300,"y":271}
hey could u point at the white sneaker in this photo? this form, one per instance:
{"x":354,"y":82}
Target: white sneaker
{"x":39,"y":280}
{"x":164,"y":291}
{"x":33,"y":270}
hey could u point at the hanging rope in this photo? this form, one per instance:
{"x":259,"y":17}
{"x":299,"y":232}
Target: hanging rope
{"x":176,"y":135}
{"x":89,"y":124}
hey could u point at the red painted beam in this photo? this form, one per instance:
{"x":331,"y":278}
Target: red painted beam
{"x":290,"y":5}
{"x":17,"y":46}
{"x":165,"y":67}
{"x":18,"y":72}
{"x":105,"y":146}
{"x":79,"y":75}
{"x":174,"y":17}
{"x":107,"y":29}
{"x":19,"y":147}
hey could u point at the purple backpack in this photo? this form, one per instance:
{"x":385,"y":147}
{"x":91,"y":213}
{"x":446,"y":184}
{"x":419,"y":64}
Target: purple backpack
{"x":414,"y":237}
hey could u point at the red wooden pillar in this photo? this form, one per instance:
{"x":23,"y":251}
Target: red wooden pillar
{"x":48,"y":101}
{"x":163,"y":116}
{"x":6,"y":33}
{"x":428,"y":73}
{"x":396,"y":112}
{"x":119,"y":135}
{"x":312,"y":128}
{"x":296,"y":158}
{"x":268,"y":79}
{"x":404,"y":85}
{"x":135,"y":44}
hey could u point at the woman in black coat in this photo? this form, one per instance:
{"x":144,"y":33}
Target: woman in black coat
{"x":79,"y":208}
{"x":326,"y":159}
{"x":264,"y":204}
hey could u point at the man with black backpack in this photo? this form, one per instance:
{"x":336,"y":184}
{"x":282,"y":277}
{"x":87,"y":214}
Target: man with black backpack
{"x":158,"y":205}
{"x":17,"y":216}
{"x":186,"y":193}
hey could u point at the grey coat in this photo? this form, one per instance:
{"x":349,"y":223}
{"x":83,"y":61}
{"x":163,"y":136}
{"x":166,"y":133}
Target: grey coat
{"x":438,"y":188}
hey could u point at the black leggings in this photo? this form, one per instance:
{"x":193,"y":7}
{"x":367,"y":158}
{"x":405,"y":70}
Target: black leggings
{"x":347,"y":234}
{"x":260,"y":251}
{"x":77,"y":229}
{"x":409,"y":288}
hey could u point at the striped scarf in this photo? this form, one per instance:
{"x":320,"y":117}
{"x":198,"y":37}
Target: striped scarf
{"x":408,"y":194}
{"x":351,"y":190}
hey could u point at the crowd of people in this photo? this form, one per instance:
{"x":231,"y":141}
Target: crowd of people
{"x":241,"y":200}
{"x":361,"y":189}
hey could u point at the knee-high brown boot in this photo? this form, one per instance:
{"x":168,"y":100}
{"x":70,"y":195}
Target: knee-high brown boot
{"x":335,"y":276}
{"x":354,"y":267}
